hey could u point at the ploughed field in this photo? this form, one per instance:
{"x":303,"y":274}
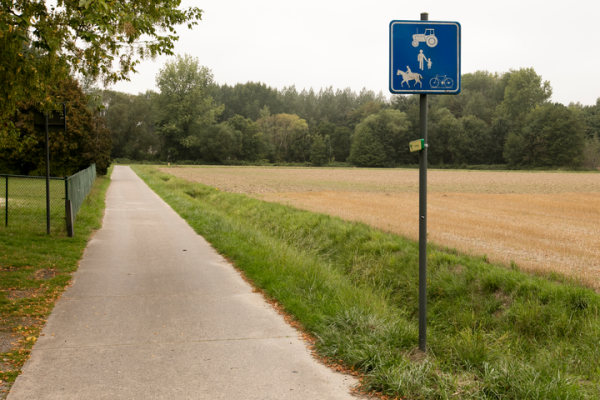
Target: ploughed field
{"x":542,"y":221}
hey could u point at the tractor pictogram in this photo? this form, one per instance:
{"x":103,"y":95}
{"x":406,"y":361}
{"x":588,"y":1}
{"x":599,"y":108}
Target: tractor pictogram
{"x":428,"y":37}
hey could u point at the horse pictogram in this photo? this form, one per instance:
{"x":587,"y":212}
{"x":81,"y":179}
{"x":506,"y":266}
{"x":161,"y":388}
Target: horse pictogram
{"x":410,"y":76}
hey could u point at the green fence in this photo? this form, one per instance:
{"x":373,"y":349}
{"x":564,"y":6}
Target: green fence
{"x":23,"y":200}
{"x":78,"y":186}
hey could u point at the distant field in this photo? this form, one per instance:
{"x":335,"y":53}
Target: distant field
{"x":544,"y":221}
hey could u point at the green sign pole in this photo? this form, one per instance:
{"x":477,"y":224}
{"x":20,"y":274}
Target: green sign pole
{"x":47,"y":179}
{"x":423,"y":221}
{"x":6,"y":203}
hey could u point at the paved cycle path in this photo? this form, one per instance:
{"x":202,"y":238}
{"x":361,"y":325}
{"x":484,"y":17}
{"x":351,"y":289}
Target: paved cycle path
{"x":155,"y":313}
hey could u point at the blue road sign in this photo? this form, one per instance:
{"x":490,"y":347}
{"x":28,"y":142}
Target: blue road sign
{"x":425,"y":57}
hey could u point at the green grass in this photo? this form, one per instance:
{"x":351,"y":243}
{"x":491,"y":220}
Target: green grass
{"x":35,"y":269}
{"x":27,"y":204}
{"x":494,"y":332}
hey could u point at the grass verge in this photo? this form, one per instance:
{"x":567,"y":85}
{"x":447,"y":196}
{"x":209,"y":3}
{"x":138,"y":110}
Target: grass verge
{"x":34,"y":271}
{"x":27,"y":204}
{"x":493,"y":332}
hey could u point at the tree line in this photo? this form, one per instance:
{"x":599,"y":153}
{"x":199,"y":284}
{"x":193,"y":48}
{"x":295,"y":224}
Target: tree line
{"x":498,"y":118}
{"x":50,"y":54}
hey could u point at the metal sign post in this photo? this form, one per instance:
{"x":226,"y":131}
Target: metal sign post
{"x":57,"y":122}
{"x":47,"y":179}
{"x":423,"y":220}
{"x":425,"y":54}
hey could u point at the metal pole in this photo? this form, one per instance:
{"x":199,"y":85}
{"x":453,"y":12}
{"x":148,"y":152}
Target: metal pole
{"x":47,"y":179}
{"x":6,"y":203}
{"x":68,"y":210}
{"x":423,"y":221}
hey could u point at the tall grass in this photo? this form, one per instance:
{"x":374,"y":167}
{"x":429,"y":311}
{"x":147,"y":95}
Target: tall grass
{"x":493,"y":332}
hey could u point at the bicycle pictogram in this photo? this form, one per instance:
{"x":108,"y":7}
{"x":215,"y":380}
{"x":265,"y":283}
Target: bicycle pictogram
{"x":442,"y":81}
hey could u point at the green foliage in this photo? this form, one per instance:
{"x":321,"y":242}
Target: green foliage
{"x":247,"y":99}
{"x":482,"y":82}
{"x":471,"y":128}
{"x":341,"y":141}
{"x":366,"y":150}
{"x":41,"y":44}
{"x":514,"y":149}
{"x":476,"y":140}
{"x":318,"y":152}
{"x":480,"y":107}
{"x":499,"y":131}
{"x":523,"y":93}
{"x":86,"y":140}
{"x":592,"y":120}
{"x":326,"y":105}
{"x":219,"y":142}
{"x":184,"y":108}
{"x":591,"y":152}
{"x":287,"y":135}
{"x":553,"y":135}
{"x":356,"y":116}
{"x":27,"y":70}
{"x":97,"y":146}
{"x":130,"y":119}
{"x":390,"y":131}
{"x":446,"y":135}
{"x":325,"y":128}
{"x":254,"y":144}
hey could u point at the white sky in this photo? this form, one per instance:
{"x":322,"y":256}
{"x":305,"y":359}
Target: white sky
{"x":323,"y":43}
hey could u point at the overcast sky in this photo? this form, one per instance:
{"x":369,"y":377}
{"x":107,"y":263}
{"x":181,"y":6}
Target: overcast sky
{"x":322,"y":43}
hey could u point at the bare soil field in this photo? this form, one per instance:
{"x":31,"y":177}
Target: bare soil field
{"x":543,"y":221}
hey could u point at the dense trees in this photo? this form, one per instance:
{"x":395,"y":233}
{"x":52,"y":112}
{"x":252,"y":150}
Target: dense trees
{"x":86,"y":140}
{"x":314,"y":107}
{"x":288,"y":136}
{"x":553,"y":135}
{"x":522,"y":94}
{"x":184,"y":108}
{"x":130,"y":120}
{"x":254,"y":145}
{"x":44,"y":43}
{"x":388,"y":130}
{"x":318,"y":151}
{"x":496,"y":119}
{"x":366,"y":150}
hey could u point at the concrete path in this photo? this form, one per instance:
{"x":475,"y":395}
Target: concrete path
{"x":155,"y":313}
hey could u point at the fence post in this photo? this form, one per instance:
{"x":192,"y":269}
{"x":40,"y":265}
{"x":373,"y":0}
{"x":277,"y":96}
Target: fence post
{"x":69,"y":218}
{"x":68,"y":211}
{"x":6,"y":203}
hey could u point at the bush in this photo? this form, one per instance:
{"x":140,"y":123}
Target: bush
{"x":366,"y":150}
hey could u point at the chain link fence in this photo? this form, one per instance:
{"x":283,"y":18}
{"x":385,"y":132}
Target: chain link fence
{"x":78,"y":186}
{"x":23,"y":200}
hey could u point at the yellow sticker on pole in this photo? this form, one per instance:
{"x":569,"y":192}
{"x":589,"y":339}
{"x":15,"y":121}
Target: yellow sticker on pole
{"x":417,"y":145}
